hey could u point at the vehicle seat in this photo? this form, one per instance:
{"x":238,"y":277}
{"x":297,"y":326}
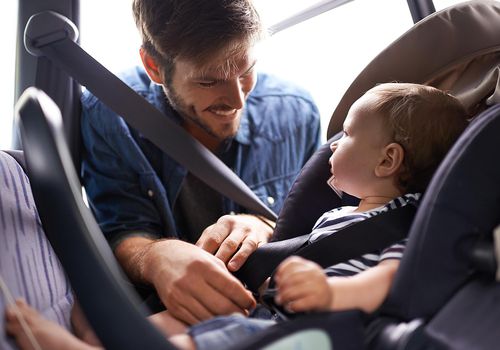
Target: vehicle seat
{"x":28,"y":265}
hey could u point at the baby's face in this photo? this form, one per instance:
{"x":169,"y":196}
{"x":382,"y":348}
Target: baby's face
{"x":357,"y":153}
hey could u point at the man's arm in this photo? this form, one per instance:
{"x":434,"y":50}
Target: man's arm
{"x":193,"y":284}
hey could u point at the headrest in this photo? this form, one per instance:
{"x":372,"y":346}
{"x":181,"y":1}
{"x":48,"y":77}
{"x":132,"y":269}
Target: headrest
{"x":461,"y":204}
{"x":456,"y":49}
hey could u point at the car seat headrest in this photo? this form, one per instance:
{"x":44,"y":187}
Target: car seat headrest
{"x":461,"y":204}
{"x":464,"y":45}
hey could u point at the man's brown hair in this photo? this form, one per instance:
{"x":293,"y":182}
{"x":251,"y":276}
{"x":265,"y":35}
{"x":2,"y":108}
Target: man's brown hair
{"x":425,"y":121}
{"x":195,"y":30}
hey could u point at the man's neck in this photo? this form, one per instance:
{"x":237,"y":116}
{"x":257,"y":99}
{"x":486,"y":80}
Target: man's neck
{"x":207,"y":140}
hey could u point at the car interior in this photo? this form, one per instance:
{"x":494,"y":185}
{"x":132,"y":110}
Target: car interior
{"x":446,"y":291}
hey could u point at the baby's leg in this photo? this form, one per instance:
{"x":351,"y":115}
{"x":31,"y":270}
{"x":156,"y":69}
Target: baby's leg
{"x":48,"y":335}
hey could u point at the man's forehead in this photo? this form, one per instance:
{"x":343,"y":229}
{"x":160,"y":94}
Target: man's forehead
{"x":222,"y":66}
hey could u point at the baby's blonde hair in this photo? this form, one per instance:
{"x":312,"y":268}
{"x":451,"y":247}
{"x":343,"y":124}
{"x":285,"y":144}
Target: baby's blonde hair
{"x":425,"y":121}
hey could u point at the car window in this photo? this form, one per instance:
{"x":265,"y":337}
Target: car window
{"x":8,"y":17}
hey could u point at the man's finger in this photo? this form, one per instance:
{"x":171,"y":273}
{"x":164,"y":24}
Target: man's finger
{"x":233,"y":289}
{"x":216,"y":302}
{"x":186,"y":306}
{"x":185,"y":315}
{"x":213,"y":236}
{"x":230,"y":245}
{"x":248,"y":247}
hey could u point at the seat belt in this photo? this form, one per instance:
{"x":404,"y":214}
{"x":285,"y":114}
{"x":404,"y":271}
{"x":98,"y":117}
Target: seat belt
{"x":369,"y":235}
{"x":52,"y":35}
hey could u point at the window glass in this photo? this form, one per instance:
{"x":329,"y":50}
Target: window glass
{"x":324,"y":54}
{"x":109,"y":34}
{"x":8,"y":23}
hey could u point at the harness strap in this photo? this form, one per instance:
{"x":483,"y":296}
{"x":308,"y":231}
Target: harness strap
{"x":363,"y":237}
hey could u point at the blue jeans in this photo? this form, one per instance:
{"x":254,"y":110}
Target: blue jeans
{"x":226,"y":331}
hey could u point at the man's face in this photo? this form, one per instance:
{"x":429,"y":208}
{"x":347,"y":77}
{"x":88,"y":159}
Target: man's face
{"x":211,"y":100}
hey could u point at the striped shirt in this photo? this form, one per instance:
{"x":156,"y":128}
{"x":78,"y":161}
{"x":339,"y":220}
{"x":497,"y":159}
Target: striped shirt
{"x":339,"y":218}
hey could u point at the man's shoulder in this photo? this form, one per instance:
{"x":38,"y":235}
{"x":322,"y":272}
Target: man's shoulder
{"x":136,"y":78}
{"x":269,"y":85}
{"x":277,"y":101}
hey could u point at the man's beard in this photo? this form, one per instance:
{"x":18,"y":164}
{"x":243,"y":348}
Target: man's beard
{"x":188,"y":114}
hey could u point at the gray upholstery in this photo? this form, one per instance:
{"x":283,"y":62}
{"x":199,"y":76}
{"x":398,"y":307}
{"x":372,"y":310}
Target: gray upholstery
{"x":28,"y":265}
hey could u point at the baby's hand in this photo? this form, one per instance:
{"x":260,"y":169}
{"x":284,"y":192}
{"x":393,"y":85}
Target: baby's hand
{"x":302,"y":286}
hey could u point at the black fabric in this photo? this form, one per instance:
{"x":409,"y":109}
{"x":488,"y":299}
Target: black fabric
{"x":462,"y":203}
{"x":375,"y":233}
{"x":197,"y":206}
{"x":470,"y":320}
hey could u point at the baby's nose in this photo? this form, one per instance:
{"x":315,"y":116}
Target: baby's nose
{"x":333,"y":146}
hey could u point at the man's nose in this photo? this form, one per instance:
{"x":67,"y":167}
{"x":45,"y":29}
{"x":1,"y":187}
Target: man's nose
{"x":234,"y":94}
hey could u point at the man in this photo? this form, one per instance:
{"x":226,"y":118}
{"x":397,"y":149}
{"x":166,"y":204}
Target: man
{"x":200,"y":62}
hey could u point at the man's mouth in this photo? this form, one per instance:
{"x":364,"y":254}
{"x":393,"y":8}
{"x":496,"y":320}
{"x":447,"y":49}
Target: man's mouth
{"x":223,"y":112}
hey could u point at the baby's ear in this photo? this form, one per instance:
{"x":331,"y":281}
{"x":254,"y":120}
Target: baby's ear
{"x":391,"y":160}
{"x":151,"y":67}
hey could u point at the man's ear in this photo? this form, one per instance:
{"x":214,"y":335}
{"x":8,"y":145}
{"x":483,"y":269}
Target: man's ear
{"x":151,"y":67}
{"x":391,"y":160}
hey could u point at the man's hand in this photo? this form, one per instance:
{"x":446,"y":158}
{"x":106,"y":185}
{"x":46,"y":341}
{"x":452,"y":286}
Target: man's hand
{"x":234,"y":237}
{"x":302,"y":286}
{"x":193,"y":284}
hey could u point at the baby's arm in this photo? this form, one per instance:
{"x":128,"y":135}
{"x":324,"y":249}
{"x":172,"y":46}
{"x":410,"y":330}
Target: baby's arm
{"x":366,"y":290}
{"x":303,"y":286}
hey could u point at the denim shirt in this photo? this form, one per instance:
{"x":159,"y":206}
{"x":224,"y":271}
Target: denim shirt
{"x":132,"y":186}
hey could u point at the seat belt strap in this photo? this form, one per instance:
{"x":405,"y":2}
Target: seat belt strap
{"x":47,"y":34}
{"x":369,"y":235}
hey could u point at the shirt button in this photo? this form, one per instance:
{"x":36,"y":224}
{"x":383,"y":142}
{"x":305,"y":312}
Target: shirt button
{"x":270,"y":200}
{"x":232,"y":213}
{"x":150,"y":193}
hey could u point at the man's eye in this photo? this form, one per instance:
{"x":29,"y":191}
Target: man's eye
{"x":207,"y":84}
